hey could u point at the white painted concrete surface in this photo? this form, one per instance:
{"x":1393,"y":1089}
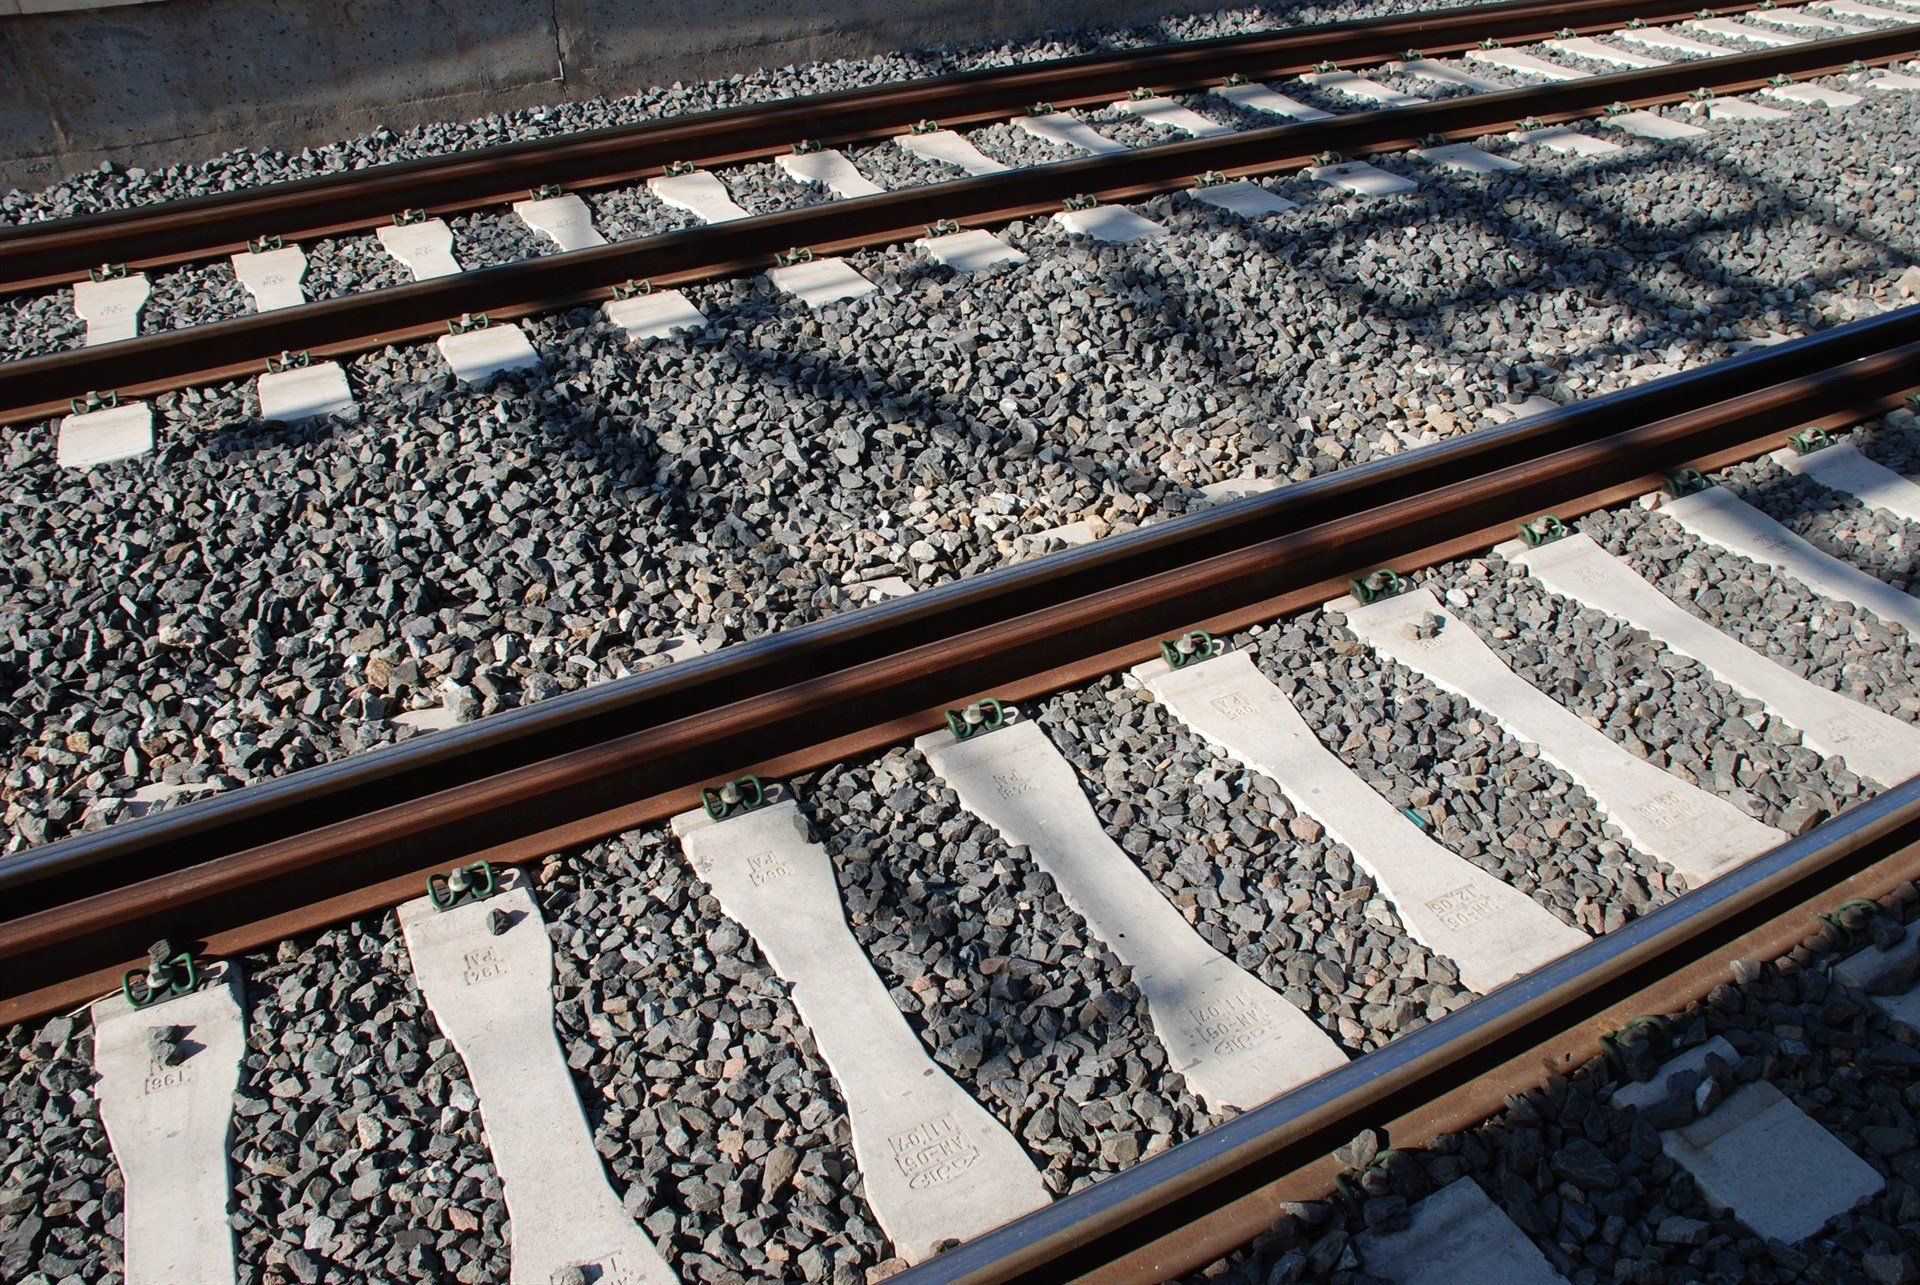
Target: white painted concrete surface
{"x":945,"y":146}
{"x":1527,"y":64}
{"x":934,"y":1163}
{"x":111,"y":308}
{"x":1679,"y":41}
{"x":700,"y":194}
{"x":1456,"y":1235}
{"x":1070,"y":132}
{"x":1719,"y":517}
{"x":1112,"y":223}
{"x":1651,"y":125}
{"x":1873,"y":744}
{"x":1362,"y":88}
{"x":1490,"y":930}
{"x":1467,"y":157}
{"x":492,"y":995}
{"x":821,"y":283}
{"x":478,"y":354}
{"x":1363,"y":179}
{"x":1248,"y":200}
{"x":1699,"y":834}
{"x":1164,"y":111}
{"x":304,"y":392}
{"x":832,"y":170}
{"x":650,"y":316}
{"x":1263,"y":98}
{"x":1600,"y":51}
{"x":1446,"y":73}
{"x":103,"y":436}
{"x":564,"y":220}
{"x":1841,"y":467}
{"x":171,"y":1127}
{"x":1236,"y":1042}
{"x":974,"y":250}
{"x":424,"y":249}
{"x":1759,"y":1155}
{"x":273,"y":277}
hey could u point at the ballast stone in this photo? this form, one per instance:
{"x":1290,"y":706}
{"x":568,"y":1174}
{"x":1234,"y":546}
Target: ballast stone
{"x":1757,"y":1154}
{"x":1456,"y":1234}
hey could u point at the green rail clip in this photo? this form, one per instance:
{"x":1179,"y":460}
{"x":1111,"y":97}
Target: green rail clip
{"x":1809,"y":440}
{"x":1685,"y":482}
{"x":1187,"y":648}
{"x":169,"y":974}
{"x":462,"y":885}
{"x":1544,"y":529}
{"x":1384,"y":583}
{"x":984,"y":715}
{"x":742,"y":794}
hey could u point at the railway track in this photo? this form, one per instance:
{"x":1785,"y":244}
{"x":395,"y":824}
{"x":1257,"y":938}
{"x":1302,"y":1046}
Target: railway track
{"x":928,"y":780}
{"x":285,"y":343}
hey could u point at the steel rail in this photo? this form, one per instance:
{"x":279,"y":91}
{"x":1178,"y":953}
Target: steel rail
{"x":1179,"y":1210}
{"x":244,"y":869}
{"x":55,"y":252}
{"x":36,"y":387}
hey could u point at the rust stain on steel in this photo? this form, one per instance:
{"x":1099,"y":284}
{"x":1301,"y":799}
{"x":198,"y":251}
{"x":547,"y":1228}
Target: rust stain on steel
{"x":61,"y":251}
{"x":349,"y":866}
{"x":37,"y":387}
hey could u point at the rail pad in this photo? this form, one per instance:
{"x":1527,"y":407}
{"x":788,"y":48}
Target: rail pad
{"x":1722,"y":518}
{"x":111,"y":308}
{"x":829,"y":169}
{"x":1492,"y":931}
{"x":1699,"y":834}
{"x":974,"y":250}
{"x":564,"y":220}
{"x":1758,"y":1154}
{"x":949,"y":148}
{"x":1263,"y":98}
{"x":936,"y":1165}
{"x":273,"y":277}
{"x":1236,"y":1042}
{"x":1456,"y":1234}
{"x":1246,"y":199}
{"x":167,"y":1079}
{"x":1873,"y":744}
{"x":103,"y":436}
{"x":651,"y":316}
{"x":424,"y":249}
{"x":1843,"y":468}
{"x":492,"y":995}
{"x":304,"y":392}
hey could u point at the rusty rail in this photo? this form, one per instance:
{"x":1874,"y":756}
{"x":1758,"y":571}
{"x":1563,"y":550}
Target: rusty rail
{"x":243,"y":869}
{"x":55,"y":252}
{"x":40,"y":386}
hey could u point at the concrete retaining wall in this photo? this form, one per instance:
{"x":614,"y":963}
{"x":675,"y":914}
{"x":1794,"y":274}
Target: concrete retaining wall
{"x":156,"y":82}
